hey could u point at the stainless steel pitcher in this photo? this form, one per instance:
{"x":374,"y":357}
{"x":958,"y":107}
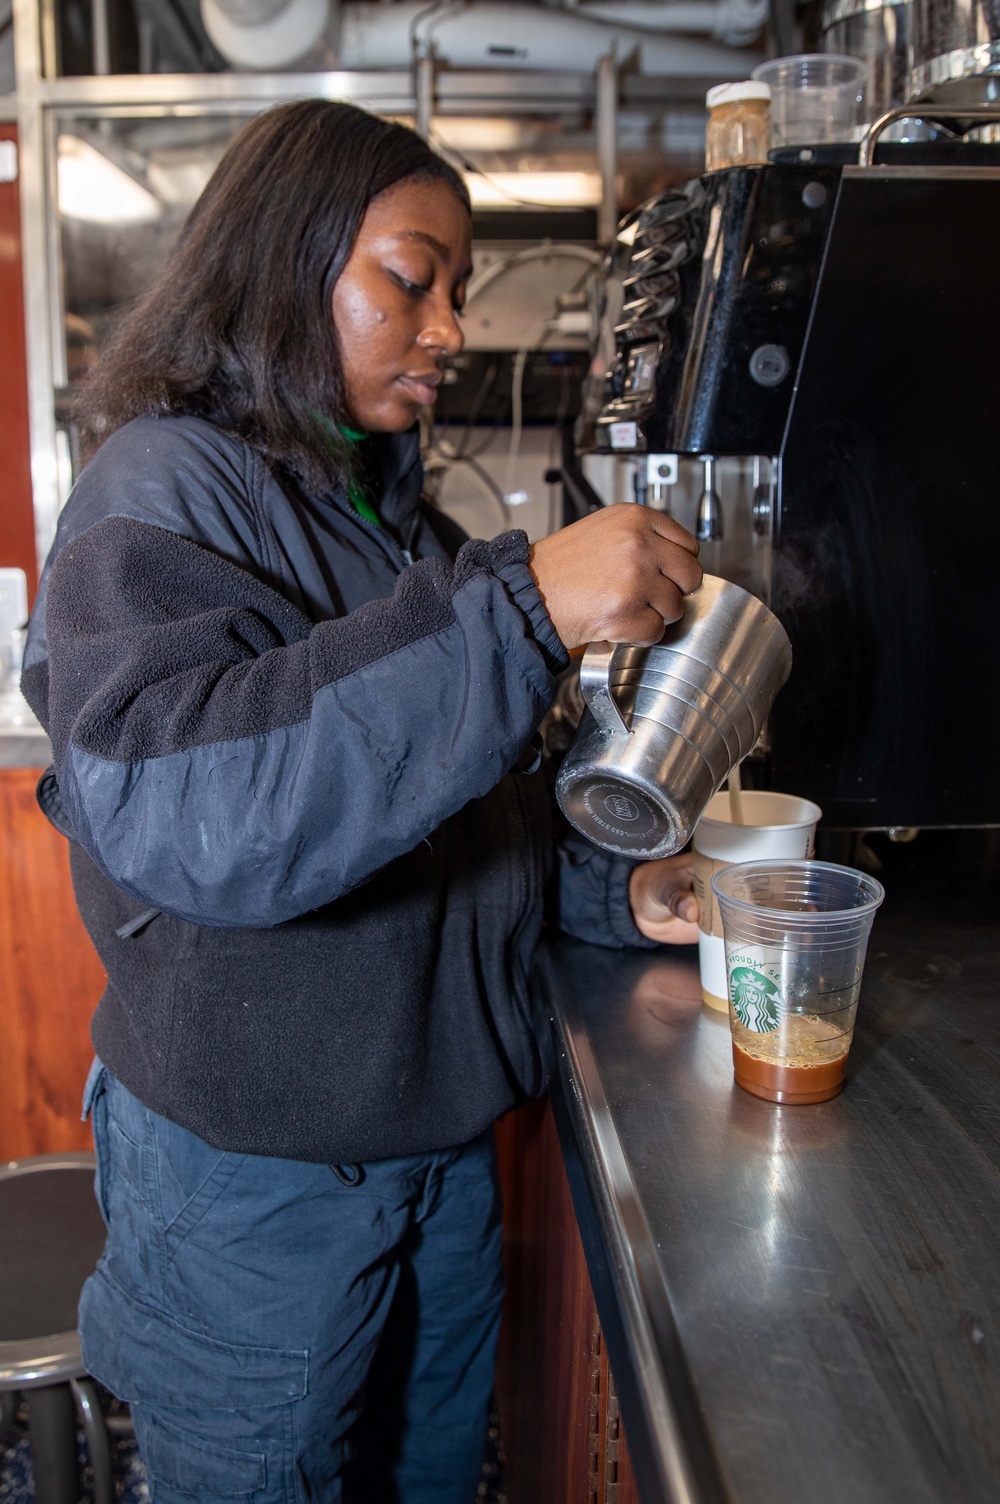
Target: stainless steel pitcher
{"x":667,"y":724}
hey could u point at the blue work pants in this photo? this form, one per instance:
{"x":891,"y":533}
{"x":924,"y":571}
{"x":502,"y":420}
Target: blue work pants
{"x":287,"y":1331}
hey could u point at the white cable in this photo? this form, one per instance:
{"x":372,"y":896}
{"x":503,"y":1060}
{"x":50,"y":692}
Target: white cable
{"x":486,"y":491}
{"x":516,"y":390}
{"x":448,"y":463}
{"x":542,"y":252}
{"x":532,"y":253}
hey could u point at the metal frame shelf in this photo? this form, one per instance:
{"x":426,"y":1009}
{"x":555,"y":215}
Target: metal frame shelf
{"x":425,"y":90}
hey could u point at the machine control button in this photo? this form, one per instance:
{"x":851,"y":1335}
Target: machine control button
{"x":769,"y":365}
{"x":624,"y":436}
{"x":814,"y":195}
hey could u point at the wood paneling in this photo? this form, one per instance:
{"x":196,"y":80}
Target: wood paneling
{"x":628,"y":1489}
{"x":620,"y":1486}
{"x":547,"y":1358}
{"x":51,"y":980}
{"x":17,"y":523}
{"x":562,"y":1437}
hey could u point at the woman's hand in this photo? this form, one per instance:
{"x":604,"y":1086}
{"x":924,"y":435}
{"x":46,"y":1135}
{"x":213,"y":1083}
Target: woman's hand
{"x":619,"y":575}
{"x":664,"y":907}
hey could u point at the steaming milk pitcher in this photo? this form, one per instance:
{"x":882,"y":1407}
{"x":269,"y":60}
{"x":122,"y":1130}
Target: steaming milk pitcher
{"x":666,"y":724}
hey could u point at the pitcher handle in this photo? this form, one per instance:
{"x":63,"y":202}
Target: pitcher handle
{"x":595,"y":676}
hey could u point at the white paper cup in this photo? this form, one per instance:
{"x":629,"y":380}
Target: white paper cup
{"x":777,"y":825}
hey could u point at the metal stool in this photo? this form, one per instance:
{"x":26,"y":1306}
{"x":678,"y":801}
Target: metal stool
{"x":51,"y":1236}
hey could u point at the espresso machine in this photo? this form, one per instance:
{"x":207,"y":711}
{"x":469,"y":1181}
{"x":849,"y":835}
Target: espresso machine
{"x":826,"y":330}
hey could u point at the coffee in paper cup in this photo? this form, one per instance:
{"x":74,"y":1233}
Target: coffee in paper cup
{"x":776,"y":825}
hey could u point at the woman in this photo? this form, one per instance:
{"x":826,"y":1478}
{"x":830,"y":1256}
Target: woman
{"x":288,"y":705}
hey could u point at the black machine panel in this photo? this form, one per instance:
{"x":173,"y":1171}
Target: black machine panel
{"x":886,"y":571}
{"x":478,"y":387}
{"x":880,"y":286}
{"x":711,"y":312}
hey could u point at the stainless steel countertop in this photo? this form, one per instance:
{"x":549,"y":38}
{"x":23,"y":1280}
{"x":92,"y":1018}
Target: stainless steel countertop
{"x":24,"y":749}
{"x":801,"y":1304}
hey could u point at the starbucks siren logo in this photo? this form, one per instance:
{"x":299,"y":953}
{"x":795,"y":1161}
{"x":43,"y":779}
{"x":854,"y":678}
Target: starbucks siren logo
{"x":756,"y":1000}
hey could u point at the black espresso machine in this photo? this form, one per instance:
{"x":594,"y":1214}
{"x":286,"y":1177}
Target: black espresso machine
{"x":839,"y":324}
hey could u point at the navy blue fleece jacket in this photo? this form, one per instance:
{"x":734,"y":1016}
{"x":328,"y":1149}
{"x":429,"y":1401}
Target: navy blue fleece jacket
{"x":290,"y":735}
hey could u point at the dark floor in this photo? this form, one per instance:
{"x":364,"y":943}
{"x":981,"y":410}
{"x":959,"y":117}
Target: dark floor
{"x":15,"y":1469}
{"x":130,"y":1480}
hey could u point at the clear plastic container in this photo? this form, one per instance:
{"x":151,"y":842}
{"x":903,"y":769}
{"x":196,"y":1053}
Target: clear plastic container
{"x":738,"y":130}
{"x":815,"y":97}
{"x":796,"y":934}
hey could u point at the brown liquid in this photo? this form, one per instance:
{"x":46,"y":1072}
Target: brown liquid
{"x":796,"y":1084}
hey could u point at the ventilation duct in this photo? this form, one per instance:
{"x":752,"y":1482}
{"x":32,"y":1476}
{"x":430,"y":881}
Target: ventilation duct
{"x":737,"y":22}
{"x":265,"y":34}
{"x":654,"y":36}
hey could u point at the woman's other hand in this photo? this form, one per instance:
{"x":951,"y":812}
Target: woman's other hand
{"x":619,"y":575}
{"x":664,"y":907}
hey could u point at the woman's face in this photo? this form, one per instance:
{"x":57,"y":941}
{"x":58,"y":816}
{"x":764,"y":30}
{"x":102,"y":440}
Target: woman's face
{"x":397,"y":301}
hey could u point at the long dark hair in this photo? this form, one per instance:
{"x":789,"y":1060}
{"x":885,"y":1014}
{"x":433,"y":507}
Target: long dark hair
{"x":238,"y":327}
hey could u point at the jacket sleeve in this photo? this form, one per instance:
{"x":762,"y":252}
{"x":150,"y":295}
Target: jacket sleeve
{"x":226,"y":760}
{"x":591,"y":896}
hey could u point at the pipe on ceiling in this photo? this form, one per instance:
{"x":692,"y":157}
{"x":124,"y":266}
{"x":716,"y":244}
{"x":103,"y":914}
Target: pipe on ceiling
{"x":493,"y":35}
{"x":265,"y":35}
{"x":737,"y":22}
{"x":657,"y":36}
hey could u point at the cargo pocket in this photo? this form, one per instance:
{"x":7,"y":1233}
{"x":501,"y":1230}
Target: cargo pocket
{"x":148,"y":1358}
{"x":213,"y":1419}
{"x":188,"y":1466}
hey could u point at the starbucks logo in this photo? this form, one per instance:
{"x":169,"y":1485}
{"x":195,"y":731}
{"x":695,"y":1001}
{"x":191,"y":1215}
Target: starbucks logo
{"x":620,"y":807}
{"x":756,"y":1000}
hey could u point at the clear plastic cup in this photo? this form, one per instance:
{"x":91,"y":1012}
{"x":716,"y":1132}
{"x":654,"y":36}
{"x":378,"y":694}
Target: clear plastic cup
{"x":796,"y":935}
{"x":815,"y":97}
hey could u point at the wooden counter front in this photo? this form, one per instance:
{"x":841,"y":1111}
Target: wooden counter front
{"x":52,"y":980}
{"x":559,"y":1422}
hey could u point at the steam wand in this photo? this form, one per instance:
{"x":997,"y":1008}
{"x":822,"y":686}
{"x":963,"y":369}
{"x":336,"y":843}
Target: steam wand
{"x":761,"y":504}
{"x":708,"y":527}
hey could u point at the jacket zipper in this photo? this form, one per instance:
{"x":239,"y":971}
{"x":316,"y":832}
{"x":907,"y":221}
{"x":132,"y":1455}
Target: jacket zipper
{"x":401,"y":557}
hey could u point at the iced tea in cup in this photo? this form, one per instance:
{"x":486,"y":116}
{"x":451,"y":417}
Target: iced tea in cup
{"x":796,"y":935}
{"x":774,"y":825}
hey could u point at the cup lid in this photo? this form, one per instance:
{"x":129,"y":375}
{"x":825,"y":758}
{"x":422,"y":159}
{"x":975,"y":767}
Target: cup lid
{"x":749,"y":88}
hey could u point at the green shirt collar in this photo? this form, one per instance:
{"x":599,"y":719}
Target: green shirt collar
{"x":355,"y":490}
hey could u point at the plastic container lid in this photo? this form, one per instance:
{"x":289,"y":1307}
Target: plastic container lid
{"x":732,"y":93}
